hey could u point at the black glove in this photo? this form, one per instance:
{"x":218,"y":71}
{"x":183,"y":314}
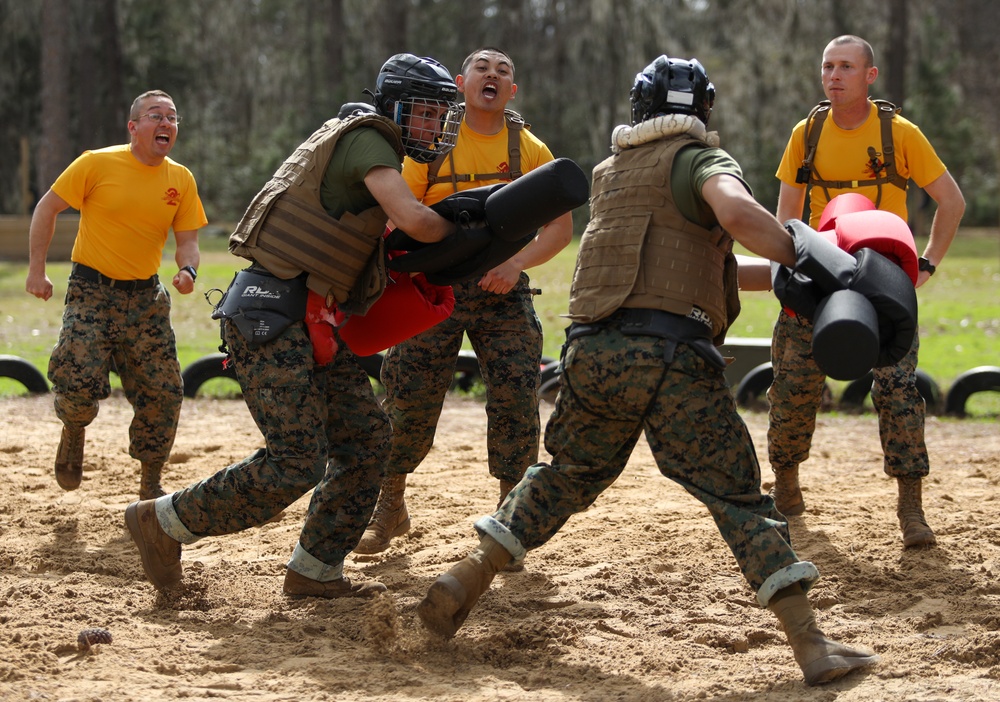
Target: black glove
{"x":466,"y":208}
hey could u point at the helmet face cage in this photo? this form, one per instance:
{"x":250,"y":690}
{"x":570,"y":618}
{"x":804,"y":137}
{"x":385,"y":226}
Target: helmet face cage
{"x":420,"y":96}
{"x":672,"y":86}
{"x":430,"y":127}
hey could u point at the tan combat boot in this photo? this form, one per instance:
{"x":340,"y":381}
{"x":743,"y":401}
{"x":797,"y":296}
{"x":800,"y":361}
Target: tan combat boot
{"x":505,"y":488}
{"x":910,"y":511}
{"x":454,"y":594}
{"x":160,"y":554}
{"x":297,"y":586}
{"x":390,"y":518}
{"x":820,"y":659}
{"x":149,"y":481}
{"x":786,"y":492}
{"x":69,"y":458}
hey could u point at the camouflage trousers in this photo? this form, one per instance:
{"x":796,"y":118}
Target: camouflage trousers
{"x":797,"y":389}
{"x":616,"y":387}
{"x":102,"y":325}
{"x":507,"y":338}
{"x":323,"y":431}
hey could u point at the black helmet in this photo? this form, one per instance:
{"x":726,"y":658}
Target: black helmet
{"x":672,"y":86}
{"x":406,"y":82}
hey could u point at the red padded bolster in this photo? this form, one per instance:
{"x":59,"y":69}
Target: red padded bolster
{"x":843,"y":204}
{"x":880,"y":231}
{"x":408,"y":306}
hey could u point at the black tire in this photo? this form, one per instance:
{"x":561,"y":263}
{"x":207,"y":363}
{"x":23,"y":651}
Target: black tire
{"x":204,"y":369}
{"x":466,"y":371}
{"x":857,"y":390}
{"x":929,"y":390}
{"x":979,"y":379}
{"x":550,"y":389}
{"x":751,"y":393}
{"x":550,"y":370}
{"x":17,"y":368}
{"x":754,"y":384}
{"x":855,"y":393}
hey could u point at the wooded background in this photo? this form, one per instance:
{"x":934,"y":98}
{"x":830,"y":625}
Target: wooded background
{"x":253,"y":78}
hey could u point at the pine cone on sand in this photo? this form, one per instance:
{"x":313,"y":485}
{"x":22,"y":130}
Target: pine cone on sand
{"x":89,"y":637}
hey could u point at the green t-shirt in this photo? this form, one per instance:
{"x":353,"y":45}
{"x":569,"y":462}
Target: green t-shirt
{"x":694,"y":165}
{"x":357,"y":152}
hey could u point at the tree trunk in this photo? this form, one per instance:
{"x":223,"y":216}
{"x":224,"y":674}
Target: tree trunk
{"x":55,"y":150}
{"x":896,"y":60}
{"x":98,"y":79}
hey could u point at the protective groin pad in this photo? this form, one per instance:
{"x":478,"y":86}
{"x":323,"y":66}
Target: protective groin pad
{"x":845,"y":343}
{"x":536,"y":198}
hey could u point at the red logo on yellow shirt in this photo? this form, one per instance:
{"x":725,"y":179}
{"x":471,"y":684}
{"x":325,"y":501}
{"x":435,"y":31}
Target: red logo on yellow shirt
{"x":503,"y":168}
{"x":172,"y":197}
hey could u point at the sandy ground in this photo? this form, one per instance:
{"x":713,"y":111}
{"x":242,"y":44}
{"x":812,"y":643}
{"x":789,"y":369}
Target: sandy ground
{"x":636,"y":599}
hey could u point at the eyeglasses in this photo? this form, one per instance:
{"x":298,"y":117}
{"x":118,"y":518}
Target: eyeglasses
{"x":159,"y":117}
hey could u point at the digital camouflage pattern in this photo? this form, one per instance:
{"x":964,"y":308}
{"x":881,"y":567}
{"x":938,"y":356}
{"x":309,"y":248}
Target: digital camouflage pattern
{"x":507,"y":337}
{"x":614,"y":388}
{"x":323,"y":431}
{"x":101,"y":323}
{"x":797,"y":390}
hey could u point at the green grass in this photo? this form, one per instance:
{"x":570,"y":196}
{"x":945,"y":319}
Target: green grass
{"x":959,"y":310}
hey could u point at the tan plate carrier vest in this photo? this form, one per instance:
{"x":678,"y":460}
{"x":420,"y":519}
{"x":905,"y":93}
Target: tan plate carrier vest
{"x":288,"y":231}
{"x":639,"y":251}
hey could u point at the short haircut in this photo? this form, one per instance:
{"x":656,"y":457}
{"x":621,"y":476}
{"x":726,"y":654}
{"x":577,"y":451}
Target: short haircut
{"x":858,"y":41}
{"x":133,"y":113}
{"x":474,"y":56}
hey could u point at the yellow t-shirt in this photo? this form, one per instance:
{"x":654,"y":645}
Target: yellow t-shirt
{"x":474,"y":153}
{"x":842,"y":154}
{"x":127,"y":210}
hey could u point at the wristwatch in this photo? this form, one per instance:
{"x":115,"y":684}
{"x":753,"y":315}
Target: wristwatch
{"x":194,"y":274}
{"x":924,"y":265}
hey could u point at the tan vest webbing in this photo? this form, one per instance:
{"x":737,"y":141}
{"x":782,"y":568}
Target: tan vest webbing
{"x":655,"y":258}
{"x":812,"y":131}
{"x":287,"y":230}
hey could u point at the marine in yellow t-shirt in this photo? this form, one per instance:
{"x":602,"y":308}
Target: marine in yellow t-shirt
{"x":127,"y":209}
{"x":475,"y":153}
{"x":842,"y":154}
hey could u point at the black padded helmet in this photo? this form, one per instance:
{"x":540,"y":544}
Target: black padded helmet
{"x":672,"y":86}
{"x":406,"y":82}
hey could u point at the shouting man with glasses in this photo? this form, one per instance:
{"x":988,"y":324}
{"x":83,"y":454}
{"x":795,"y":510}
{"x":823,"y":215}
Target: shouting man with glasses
{"x":117,"y":311}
